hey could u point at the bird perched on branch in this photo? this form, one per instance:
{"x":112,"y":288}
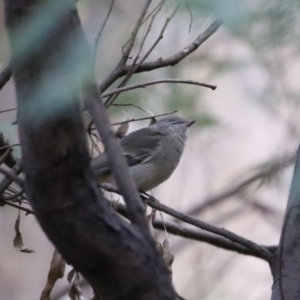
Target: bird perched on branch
{"x":152,"y":153}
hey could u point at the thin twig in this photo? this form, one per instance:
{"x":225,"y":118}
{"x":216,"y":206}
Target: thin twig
{"x":10,"y":191}
{"x":8,"y":146}
{"x":144,"y":84}
{"x":134,"y":33}
{"x":7,"y":110}
{"x":191,"y":15}
{"x":13,"y":196}
{"x":128,"y":47}
{"x":141,"y":119}
{"x":27,"y":210}
{"x":133,"y":67}
{"x":102,"y":28}
{"x":5,"y":76}
{"x":154,"y":11}
{"x":160,"y":63}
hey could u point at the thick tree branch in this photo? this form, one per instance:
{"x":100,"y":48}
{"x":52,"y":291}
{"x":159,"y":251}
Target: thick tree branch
{"x":59,"y":183}
{"x":285,"y":264}
{"x":154,"y":203}
{"x":116,"y":159}
{"x":199,"y":235}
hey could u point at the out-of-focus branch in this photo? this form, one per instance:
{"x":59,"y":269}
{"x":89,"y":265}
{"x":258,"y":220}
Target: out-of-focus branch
{"x":9,"y":146}
{"x":160,"y":63}
{"x":59,"y":183}
{"x":5,"y":76}
{"x":7,"y":110}
{"x":270,"y":169}
{"x":144,"y":84}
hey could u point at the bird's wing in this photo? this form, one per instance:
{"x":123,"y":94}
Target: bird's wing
{"x":138,"y":148}
{"x":100,"y":165}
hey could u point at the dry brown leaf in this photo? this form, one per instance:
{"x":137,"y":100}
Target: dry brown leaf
{"x":153,"y":120}
{"x":75,"y":292}
{"x":18,"y":240}
{"x":122,"y":130}
{"x":57,"y":270}
{"x":71,"y":275}
{"x":168,"y":255}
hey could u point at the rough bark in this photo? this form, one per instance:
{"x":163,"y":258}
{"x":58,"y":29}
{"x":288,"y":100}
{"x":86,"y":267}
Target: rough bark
{"x":285,"y":263}
{"x":115,"y":257}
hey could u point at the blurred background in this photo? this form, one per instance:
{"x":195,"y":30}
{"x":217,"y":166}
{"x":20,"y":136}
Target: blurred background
{"x":248,"y":126}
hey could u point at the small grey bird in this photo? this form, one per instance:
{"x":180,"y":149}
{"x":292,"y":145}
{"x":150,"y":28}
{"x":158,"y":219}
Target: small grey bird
{"x":152,"y":153}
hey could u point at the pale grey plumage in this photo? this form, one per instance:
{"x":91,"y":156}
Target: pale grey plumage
{"x":152,"y":153}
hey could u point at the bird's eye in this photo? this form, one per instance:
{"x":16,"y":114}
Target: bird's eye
{"x":172,"y":120}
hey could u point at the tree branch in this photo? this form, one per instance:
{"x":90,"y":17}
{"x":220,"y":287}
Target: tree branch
{"x":285,"y":264}
{"x":59,"y":182}
{"x":134,"y":33}
{"x":154,"y":203}
{"x":116,"y":159}
{"x":7,"y":180}
{"x":267,"y":171}
{"x":141,"y":119}
{"x":135,"y":66}
{"x":10,"y":175}
{"x":5,"y":76}
{"x":160,"y":63}
{"x":102,"y":28}
{"x":144,"y":84}
{"x":198,"y":235}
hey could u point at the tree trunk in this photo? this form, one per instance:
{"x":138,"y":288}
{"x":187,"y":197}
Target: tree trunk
{"x":48,"y":59}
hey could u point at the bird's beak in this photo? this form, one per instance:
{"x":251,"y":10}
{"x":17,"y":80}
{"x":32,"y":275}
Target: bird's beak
{"x":189,"y":123}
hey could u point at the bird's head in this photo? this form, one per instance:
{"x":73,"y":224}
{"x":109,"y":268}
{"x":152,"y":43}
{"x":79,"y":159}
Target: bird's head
{"x":174,"y":123}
